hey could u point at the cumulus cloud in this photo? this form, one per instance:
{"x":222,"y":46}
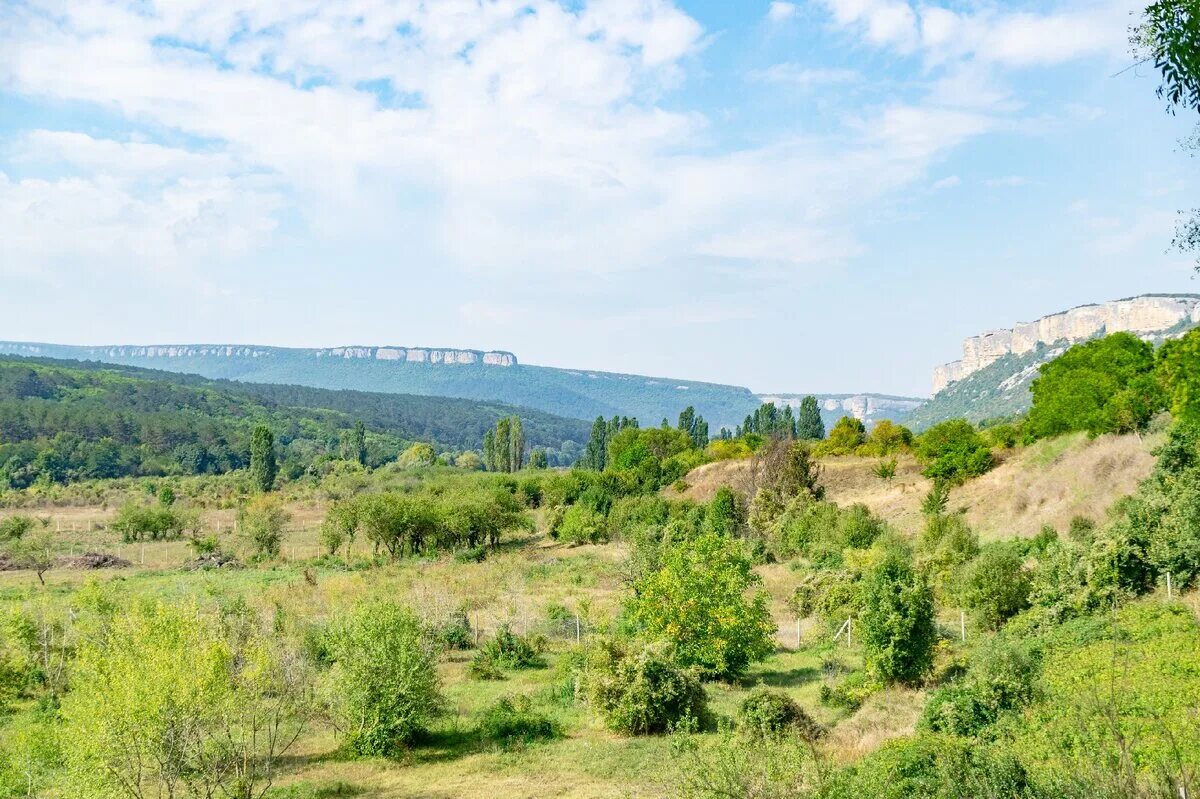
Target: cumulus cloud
{"x":780,"y":11}
{"x":792,"y":74}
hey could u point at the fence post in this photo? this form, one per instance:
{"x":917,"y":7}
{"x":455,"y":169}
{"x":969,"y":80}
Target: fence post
{"x":1168,"y":586}
{"x":962,"y":624}
{"x":849,"y":629}
{"x":797,"y":632}
{"x":143,"y":554}
{"x":577,"y":628}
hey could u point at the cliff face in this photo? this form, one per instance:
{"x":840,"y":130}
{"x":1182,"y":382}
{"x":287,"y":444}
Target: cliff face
{"x":395,"y":354}
{"x":867,"y":407}
{"x":1145,"y":316}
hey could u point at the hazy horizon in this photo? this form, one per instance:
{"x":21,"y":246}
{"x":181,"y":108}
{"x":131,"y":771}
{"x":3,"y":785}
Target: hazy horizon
{"x":820,"y":196}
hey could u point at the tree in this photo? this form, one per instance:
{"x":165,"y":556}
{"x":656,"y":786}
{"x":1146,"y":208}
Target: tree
{"x":516,"y":445}
{"x":1101,"y":386}
{"x":897,"y":624}
{"x":489,"y":450}
{"x":953,"y":451}
{"x":697,"y":602}
{"x":694,"y":425}
{"x":538,"y":459}
{"x":845,"y":437}
{"x":809,"y":425}
{"x":726,"y":514}
{"x":355,"y":448}
{"x":996,"y":586}
{"x":385,"y":674}
{"x":263,"y":466}
{"x":33,"y":550}
{"x":597,"y":446}
{"x":1178,"y":366}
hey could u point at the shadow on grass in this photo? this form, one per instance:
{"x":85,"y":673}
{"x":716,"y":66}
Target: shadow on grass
{"x":783,"y":678}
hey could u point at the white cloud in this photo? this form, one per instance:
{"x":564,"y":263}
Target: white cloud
{"x":804,"y":77}
{"x":780,"y":11}
{"x":890,"y":23}
{"x":946,"y":183}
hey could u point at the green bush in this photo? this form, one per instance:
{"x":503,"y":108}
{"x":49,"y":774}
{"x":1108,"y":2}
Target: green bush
{"x":697,"y":602}
{"x":640,"y":691}
{"x":896,"y":624}
{"x":996,"y":585}
{"x":506,"y":650}
{"x":769,"y":714}
{"x":15,"y":527}
{"x":1001,"y":678}
{"x":149,"y":522}
{"x":849,"y":692}
{"x":581,"y":524}
{"x":512,"y":723}
{"x":261,"y":525}
{"x":953,"y":452}
{"x":385,"y":674}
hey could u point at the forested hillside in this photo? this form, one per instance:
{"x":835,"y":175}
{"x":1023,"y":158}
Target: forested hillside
{"x":65,"y":422}
{"x":579,"y":394}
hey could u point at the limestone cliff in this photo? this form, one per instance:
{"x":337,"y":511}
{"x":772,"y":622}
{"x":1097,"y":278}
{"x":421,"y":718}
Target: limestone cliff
{"x":393,"y":354}
{"x":1150,"y":316}
{"x":869,"y":408}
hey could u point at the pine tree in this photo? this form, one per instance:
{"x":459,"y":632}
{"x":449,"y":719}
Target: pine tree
{"x":809,"y":426}
{"x":263,"y":466}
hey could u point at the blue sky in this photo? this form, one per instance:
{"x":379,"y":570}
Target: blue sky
{"x":824,"y":195}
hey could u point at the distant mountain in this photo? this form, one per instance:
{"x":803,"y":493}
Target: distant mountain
{"x":491,"y":376}
{"x":992,"y":379}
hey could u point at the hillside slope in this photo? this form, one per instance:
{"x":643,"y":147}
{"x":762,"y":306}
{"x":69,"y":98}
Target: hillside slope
{"x":1050,"y":482}
{"x":468,"y":374}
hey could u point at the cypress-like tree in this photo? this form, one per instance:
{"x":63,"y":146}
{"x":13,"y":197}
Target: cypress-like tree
{"x":489,"y":450}
{"x":357,"y":446}
{"x":516,"y":445}
{"x":263,"y":466}
{"x":809,"y":426}
{"x":597,"y":447}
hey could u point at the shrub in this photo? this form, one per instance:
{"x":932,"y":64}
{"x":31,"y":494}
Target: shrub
{"x":15,"y":527}
{"x":385,"y":673}
{"x":885,"y":470}
{"x":262,"y":524}
{"x":149,"y":522}
{"x":697,"y":602}
{"x":886,"y":438}
{"x":845,"y":437}
{"x":996,"y":586}
{"x":581,"y":524}
{"x":897,"y":625}
{"x":953,"y":451}
{"x":512,"y":723}
{"x":769,"y":714}
{"x":640,"y":691}
{"x":1002,"y":678}
{"x":850,"y":691}
{"x":505,"y":650}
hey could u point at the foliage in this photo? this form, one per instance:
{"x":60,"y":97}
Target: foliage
{"x":996,"y":586}
{"x":507,"y":650}
{"x":639,"y":690}
{"x":136,"y":522}
{"x":953,"y":451}
{"x":697,"y":603}
{"x":1002,"y":678}
{"x":896,"y":624}
{"x":726,"y":514}
{"x":1101,"y":386}
{"x":1169,"y":36}
{"x":885,"y":470}
{"x":886,"y":438}
{"x":695,"y":426}
{"x":809,"y":425}
{"x":14,"y":528}
{"x":1178,"y":365}
{"x":822,"y":531}
{"x":263,"y":466}
{"x":769,"y":714}
{"x":512,"y":723}
{"x":385,"y":678}
{"x":504,"y":447}
{"x":846,"y":436}
{"x":262,"y":524}
{"x":418,"y":456}
{"x":581,"y":524}
{"x":165,"y":703}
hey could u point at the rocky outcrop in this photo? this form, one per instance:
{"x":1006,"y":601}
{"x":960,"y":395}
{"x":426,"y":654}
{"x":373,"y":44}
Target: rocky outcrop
{"x":392,"y":354}
{"x":1150,"y":315}
{"x":867,"y":407}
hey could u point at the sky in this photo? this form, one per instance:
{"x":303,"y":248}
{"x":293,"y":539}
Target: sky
{"x":820,"y":195}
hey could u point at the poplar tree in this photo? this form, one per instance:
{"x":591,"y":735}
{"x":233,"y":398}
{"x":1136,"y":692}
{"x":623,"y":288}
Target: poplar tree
{"x":357,"y":445}
{"x":597,"y":446}
{"x":809,"y":426}
{"x":516,"y":444}
{"x":263,"y":466}
{"x":489,"y":450}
